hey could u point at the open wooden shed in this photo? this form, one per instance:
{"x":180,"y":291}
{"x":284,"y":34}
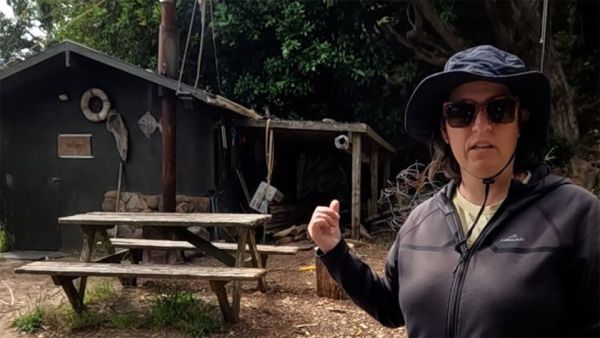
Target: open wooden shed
{"x":363,"y":144}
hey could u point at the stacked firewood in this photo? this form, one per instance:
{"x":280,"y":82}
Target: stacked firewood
{"x":282,"y":216}
{"x":292,"y":234}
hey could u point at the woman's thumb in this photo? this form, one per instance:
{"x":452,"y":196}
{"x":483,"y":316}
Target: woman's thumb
{"x":335,"y":205}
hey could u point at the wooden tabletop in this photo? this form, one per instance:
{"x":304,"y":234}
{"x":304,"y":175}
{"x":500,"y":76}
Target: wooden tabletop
{"x":165,"y":219}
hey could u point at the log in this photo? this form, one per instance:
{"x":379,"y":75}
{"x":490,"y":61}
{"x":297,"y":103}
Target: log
{"x":326,"y":285}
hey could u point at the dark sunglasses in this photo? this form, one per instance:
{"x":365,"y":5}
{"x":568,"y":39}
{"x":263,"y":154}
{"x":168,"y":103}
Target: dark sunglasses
{"x":499,"y":110}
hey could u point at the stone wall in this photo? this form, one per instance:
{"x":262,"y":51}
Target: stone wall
{"x":136,"y":202}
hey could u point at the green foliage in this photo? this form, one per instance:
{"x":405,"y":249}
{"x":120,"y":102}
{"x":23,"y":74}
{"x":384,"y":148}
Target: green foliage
{"x":101,"y":290}
{"x":31,"y":321}
{"x":124,"y":29}
{"x":64,"y":320}
{"x":306,"y":57}
{"x":20,"y":36}
{"x":5,"y":238}
{"x":126,"y":320}
{"x":183,"y":311}
{"x":446,"y":10}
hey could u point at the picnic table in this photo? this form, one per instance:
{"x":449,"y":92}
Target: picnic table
{"x":96,"y":224}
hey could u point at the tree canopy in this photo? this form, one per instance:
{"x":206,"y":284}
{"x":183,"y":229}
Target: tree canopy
{"x":346,"y":60}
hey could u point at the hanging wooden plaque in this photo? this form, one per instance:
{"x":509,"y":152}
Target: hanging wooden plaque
{"x":75,"y":146}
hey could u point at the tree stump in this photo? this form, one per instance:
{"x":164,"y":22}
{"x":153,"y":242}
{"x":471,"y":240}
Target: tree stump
{"x":326,"y":285}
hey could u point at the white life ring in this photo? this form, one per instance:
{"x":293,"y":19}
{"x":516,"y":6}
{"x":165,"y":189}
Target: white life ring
{"x":85,"y":105}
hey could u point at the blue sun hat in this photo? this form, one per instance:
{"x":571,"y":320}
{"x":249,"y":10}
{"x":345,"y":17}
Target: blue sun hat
{"x":481,"y":63}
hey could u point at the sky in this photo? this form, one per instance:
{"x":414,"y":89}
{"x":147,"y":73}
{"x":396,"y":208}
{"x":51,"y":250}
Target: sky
{"x":4,"y":8}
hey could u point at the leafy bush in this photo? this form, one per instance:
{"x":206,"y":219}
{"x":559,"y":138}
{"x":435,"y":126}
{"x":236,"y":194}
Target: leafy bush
{"x":183,"y":311}
{"x":31,"y":321}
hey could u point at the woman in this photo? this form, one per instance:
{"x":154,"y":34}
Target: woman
{"x":503,"y":250}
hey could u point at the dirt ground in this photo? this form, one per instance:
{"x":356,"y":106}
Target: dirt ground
{"x":290,"y":307}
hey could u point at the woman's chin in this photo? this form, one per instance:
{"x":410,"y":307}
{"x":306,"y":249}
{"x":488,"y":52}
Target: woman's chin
{"x":484,"y":169}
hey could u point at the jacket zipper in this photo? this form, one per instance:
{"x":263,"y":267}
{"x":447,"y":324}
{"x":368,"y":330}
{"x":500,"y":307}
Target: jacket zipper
{"x":460,"y":271}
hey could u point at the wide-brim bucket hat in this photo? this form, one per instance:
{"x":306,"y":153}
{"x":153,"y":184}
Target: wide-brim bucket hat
{"x":481,"y":63}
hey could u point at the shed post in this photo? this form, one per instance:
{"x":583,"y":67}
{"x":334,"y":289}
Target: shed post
{"x":356,"y":173}
{"x":374,"y":169}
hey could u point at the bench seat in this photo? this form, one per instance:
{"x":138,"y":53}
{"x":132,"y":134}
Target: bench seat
{"x":63,"y":273}
{"x":159,"y":244}
{"x":138,"y":244}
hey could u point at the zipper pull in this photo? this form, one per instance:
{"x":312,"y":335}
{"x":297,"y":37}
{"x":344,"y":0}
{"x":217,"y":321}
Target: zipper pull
{"x":462,"y":250}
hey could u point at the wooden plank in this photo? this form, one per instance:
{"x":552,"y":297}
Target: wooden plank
{"x":375,"y":137}
{"x":304,"y":125}
{"x":112,"y":258}
{"x":386,"y":168}
{"x":356,"y":172}
{"x":218,"y":288}
{"x":141,"y":243}
{"x":256,"y":261}
{"x":89,"y":240}
{"x":158,"y":271}
{"x":239,"y":262}
{"x":319,"y":126}
{"x":206,"y":246}
{"x":374,"y":171}
{"x":75,"y":298}
{"x":108,"y":219}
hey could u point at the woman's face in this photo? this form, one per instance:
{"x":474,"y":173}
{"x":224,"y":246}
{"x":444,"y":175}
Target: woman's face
{"x":482,"y":148}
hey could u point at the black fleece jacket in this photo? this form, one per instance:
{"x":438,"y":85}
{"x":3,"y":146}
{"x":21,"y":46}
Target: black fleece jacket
{"x":532,"y":272}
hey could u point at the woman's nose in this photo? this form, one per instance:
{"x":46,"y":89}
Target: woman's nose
{"x":481,"y":122}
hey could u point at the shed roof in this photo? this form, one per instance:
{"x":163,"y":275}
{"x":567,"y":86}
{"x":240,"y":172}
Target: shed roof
{"x":320,"y":128}
{"x":61,"y":55}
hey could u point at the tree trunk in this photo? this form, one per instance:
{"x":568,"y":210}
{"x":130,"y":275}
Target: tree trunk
{"x":326,"y":285}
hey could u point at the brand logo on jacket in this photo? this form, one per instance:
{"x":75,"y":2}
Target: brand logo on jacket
{"x":513,"y":238}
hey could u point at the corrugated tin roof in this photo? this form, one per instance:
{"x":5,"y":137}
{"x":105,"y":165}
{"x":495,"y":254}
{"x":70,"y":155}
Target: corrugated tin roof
{"x":69,"y":47}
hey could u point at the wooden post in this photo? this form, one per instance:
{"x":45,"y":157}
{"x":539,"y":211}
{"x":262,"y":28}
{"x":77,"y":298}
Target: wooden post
{"x":374,"y":169}
{"x":356,"y":172}
{"x":168,"y":36}
{"x":167,"y":66}
{"x":326,"y":285}
{"x":386,"y":168}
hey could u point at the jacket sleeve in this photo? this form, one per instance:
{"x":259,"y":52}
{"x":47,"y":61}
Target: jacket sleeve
{"x":378,"y":296}
{"x":587,"y":274}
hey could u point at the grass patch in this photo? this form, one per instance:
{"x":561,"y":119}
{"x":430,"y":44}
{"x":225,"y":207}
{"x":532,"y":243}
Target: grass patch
{"x":127,"y":320}
{"x":100,"y":291}
{"x":181,"y":310}
{"x":31,"y":321}
{"x":63,"y":319}
{"x":173,"y":309}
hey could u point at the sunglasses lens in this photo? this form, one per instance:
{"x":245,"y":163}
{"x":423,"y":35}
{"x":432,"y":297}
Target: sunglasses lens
{"x":501,"y":110}
{"x":459,"y":114}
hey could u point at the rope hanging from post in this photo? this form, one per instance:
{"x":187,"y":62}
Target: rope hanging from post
{"x":203,"y":24}
{"x":185,"y":50}
{"x":269,"y":154}
{"x":543,"y":35}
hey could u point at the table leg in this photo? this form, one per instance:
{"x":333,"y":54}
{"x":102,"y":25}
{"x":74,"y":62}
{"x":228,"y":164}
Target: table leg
{"x":239,"y":263}
{"x":89,"y":238}
{"x":256,"y":260}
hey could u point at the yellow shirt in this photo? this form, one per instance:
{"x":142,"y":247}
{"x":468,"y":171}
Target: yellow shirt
{"x":467,"y":212}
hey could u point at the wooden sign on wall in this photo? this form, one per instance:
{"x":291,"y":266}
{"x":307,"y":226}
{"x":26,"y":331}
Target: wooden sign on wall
{"x":75,"y":146}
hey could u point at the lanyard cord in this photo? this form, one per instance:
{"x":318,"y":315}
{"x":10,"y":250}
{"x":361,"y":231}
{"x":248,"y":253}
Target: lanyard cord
{"x":460,"y":247}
